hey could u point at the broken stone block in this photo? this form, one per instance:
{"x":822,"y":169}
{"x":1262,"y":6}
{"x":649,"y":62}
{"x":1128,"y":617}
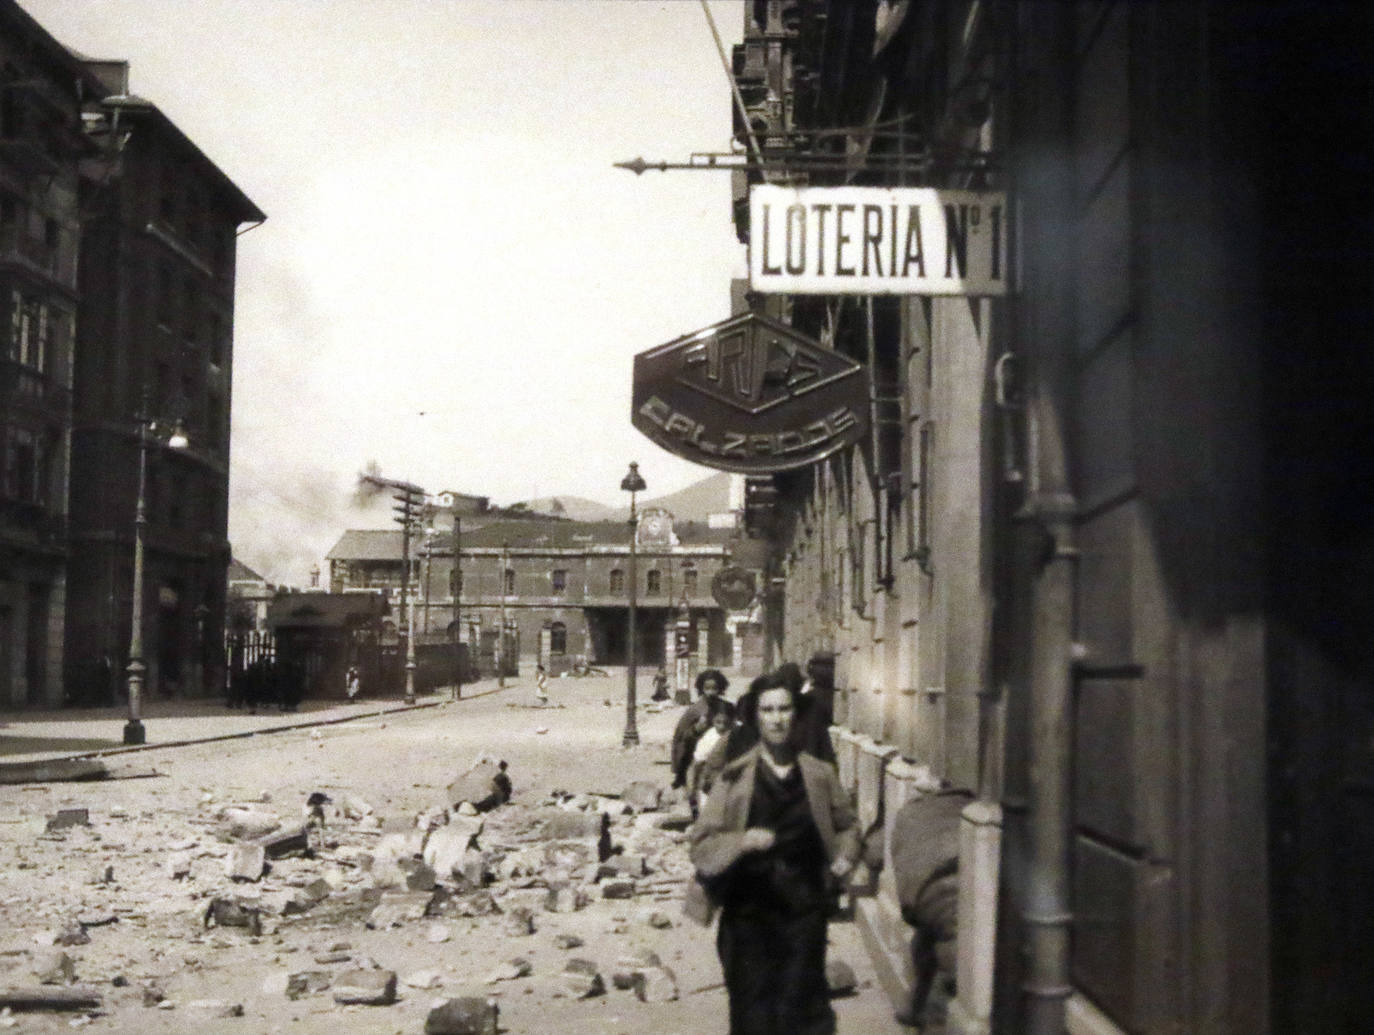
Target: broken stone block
{"x":445,"y":848}
{"x":246,"y":824}
{"x":569,"y":855}
{"x":437,"y":934}
{"x":656,"y":984}
{"x":466,"y":1016}
{"x":287,"y":841}
{"x":566,"y":825}
{"x":518,"y":922}
{"x":368,"y":987}
{"x":103,"y":873}
{"x":177,"y":865}
{"x":566,"y":941}
{"x":245,"y":861}
{"x":223,"y":912}
{"x":302,"y":900}
{"x":476,"y":903}
{"x":624,"y":864}
{"x":565,"y":898}
{"x":581,"y":979}
{"x":511,"y":970}
{"x":72,"y":934}
{"x":354,"y":807}
{"x":395,"y":908}
{"x":53,"y":967}
{"x":307,"y":982}
{"x":618,"y":889}
{"x":642,"y":796}
{"x":478,"y":786}
{"x":659,"y":919}
{"x":66,"y":818}
{"x":840,"y":978}
{"x":423,"y":979}
{"x":215,"y":1008}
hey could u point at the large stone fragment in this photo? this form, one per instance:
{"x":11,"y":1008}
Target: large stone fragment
{"x":369,"y":987}
{"x":466,"y":1016}
{"x":53,"y":967}
{"x":567,"y":825}
{"x":656,"y":984}
{"x":446,"y":847}
{"x":246,"y":823}
{"x":68,"y":818}
{"x":290,"y":840}
{"x":223,"y":912}
{"x":245,"y":861}
{"x":478,"y":786}
{"x":395,"y":908}
{"x":307,"y":982}
{"x":581,"y":979}
{"x":519,"y":922}
{"x":642,"y":796}
{"x":564,"y":897}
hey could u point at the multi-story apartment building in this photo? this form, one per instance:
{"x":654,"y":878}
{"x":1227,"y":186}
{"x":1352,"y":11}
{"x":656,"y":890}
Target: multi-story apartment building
{"x":154,"y":346}
{"x":42,"y":88}
{"x":1104,"y":560}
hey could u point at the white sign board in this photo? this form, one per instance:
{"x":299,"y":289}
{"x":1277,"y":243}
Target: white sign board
{"x":877,"y":241}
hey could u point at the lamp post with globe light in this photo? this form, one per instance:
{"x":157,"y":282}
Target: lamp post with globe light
{"x":632,"y":483}
{"x":148,"y":431}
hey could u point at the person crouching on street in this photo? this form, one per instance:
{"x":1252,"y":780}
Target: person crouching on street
{"x":775,"y":833}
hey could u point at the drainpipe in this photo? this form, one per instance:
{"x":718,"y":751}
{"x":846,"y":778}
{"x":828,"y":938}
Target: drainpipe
{"x":1047,"y":914}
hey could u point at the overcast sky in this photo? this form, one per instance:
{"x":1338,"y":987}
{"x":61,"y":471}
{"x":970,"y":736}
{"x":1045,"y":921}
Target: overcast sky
{"x":453,"y":279}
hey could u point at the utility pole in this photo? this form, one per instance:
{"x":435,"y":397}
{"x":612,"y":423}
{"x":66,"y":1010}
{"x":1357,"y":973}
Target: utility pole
{"x":501,"y":634}
{"x":457,"y":587}
{"x":410,"y":499}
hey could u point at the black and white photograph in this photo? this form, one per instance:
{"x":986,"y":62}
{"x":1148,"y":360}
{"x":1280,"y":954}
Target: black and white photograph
{"x":767,"y":517}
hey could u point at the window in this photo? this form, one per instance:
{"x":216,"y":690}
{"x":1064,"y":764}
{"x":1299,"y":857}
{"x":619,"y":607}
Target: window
{"x":559,"y":578}
{"x":509,"y":583}
{"x":654,"y":581}
{"x":617,"y":581}
{"x":558,"y":638}
{"x":21,"y":478}
{"x":689,"y":581}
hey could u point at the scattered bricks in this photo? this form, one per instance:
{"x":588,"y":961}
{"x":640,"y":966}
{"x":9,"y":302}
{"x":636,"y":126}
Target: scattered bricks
{"x":581,"y":980}
{"x":656,"y":984}
{"x":222,"y":912}
{"x":247,"y":824}
{"x":518,"y":922}
{"x":245,"y":862}
{"x":307,"y":982}
{"x":66,"y":818}
{"x":215,"y":1008}
{"x":511,"y":970}
{"x":395,"y":908}
{"x":565,"y":898}
{"x":642,"y":796}
{"x":53,"y":967}
{"x":368,"y":987}
{"x":618,"y":889}
{"x":566,"y":941}
{"x":287,"y":841}
{"x":467,"y":1016}
{"x":840,"y":978}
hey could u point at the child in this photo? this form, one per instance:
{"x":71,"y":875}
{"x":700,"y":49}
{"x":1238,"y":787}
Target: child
{"x":721,"y":717}
{"x":541,"y":684}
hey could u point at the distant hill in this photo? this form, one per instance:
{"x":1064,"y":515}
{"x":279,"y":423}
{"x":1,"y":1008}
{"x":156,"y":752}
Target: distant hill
{"x":696,"y":502}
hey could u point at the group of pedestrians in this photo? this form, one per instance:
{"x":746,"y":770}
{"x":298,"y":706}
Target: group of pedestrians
{"x":773,"y":838}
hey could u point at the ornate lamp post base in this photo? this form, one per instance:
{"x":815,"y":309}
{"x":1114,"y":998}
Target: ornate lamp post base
{"x":134,"y":733}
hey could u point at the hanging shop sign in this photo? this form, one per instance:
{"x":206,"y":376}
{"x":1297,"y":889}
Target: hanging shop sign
{"x":733,"y":588}
{"x":749,"y":395}
{"x":877,"y":241}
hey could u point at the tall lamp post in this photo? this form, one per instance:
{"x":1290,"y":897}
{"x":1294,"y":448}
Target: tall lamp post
{"x":134,"y":733}
{"x":632,"y":483}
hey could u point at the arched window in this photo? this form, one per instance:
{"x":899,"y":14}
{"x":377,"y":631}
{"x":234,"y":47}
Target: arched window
{"x":617,"y":580}
{"x":654,"y":581}
{"x":558,"y":638}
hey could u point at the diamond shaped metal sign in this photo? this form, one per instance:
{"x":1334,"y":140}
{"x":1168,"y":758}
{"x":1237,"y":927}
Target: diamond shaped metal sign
{"x":750,"y":395}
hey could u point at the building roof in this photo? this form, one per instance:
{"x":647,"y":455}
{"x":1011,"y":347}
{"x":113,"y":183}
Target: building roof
{"x":325,"y":610}
{"x":240,"y":572}
{"x":518,"y":534}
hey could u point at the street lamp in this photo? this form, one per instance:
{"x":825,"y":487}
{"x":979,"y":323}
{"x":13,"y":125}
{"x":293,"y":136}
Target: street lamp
{"x":632,"y":483}
{"x":134,"y":733}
